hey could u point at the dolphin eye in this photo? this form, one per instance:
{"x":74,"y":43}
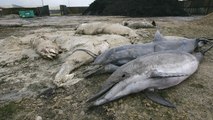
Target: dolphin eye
{"x":123,"y":75}
{"x":201,"y":43}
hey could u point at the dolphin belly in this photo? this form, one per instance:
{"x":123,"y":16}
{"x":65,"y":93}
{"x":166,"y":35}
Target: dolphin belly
{"x":163,"y":83}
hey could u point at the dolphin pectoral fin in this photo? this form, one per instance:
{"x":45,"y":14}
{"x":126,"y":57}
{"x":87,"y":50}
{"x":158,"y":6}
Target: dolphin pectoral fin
{"x":158,"y":99}
{"x":156,"y":74}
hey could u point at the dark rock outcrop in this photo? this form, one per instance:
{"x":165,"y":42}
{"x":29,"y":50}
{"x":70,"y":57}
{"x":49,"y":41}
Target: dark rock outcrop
{"x":135,"y":8}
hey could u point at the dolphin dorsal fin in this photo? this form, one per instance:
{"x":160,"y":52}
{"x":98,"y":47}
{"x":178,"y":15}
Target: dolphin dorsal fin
{"x":158,"y":37}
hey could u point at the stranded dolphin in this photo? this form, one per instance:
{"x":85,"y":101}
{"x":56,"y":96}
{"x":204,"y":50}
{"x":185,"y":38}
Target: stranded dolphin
{"x":111,"y":59}
{"x":160,"y":43}
{"x":159,"y":70}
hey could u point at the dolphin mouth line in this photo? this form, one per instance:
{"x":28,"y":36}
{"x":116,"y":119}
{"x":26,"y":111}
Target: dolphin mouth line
{"x":205,"y":39}
{"x":207,"y":49}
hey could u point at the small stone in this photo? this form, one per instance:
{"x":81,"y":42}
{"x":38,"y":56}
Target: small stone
{"x":18,"y":101}
{"x":82,"y":113}
{"x":16,"y":63}
{"x":75,"y":105}
{"x":60,"y":112}
{"x":55,"y":98}
{"x":68,"y":98}
{"x":40,"y":104}
{"x":38,"y":118}
{"x":147,"y":104}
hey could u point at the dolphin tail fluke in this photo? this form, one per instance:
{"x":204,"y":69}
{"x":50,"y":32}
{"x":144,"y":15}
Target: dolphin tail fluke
{"x":158,"y":99}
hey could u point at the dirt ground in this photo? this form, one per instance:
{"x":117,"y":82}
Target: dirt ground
{"x":23,"y":78}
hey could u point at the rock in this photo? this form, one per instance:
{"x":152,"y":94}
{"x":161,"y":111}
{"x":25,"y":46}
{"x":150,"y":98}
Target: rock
{"x":68,"y":98}
{"x":38,"y":118}
{"x":82,"y":113}
{"x":60,"y":112}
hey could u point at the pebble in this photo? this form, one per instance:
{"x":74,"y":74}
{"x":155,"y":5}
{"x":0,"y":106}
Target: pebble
{"x":68,"y":98}
{"x":148,"y":105}
{"x":82,"y":113}
{"x":38,"y":118}
{"x":55,"y":98}
{"x":60,"y":112}
{"x":40,"y":104}
{"x":75,"y":105}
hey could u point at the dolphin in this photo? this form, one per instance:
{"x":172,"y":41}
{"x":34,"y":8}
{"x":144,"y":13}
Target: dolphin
{"x":160,"y":43}
{"x":156,"y":71}
{"x":113,"y":58}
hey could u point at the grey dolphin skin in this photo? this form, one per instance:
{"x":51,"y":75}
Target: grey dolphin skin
{"x":115,"y":57}
{"x":160,"y":43}
{"x":159,"y":70}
